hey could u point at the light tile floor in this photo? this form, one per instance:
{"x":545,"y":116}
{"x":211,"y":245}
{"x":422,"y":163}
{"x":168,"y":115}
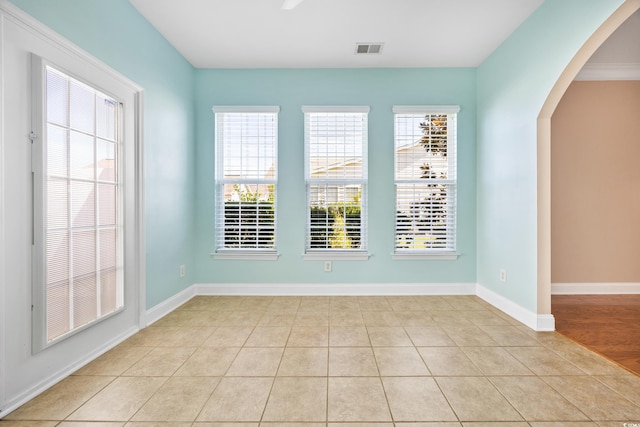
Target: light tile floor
{"x":336,"y":362}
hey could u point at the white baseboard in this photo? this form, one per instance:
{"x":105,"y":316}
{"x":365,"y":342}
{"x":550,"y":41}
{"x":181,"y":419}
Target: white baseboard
{"x":595,"y":288}
{"x":167,"y":306}
{"x":58,"y":376}
{"x":537,"y":322}
{"x":315,"y":289}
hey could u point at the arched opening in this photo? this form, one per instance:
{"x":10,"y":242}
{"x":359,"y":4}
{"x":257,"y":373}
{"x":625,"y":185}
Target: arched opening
{"x":544,"y":146}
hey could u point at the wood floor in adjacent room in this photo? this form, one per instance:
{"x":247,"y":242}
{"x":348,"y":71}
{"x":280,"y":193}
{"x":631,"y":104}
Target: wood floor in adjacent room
{"x":606,"y":324}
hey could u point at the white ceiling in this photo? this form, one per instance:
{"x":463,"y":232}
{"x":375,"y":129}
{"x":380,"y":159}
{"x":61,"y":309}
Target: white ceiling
{"x":323,"y":33}
{"x":623,"y":46}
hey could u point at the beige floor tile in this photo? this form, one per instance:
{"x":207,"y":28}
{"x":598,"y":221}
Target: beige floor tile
{"x":448,"y":361}
{"x":535,"y":400}
{"x":476,"y":399}
{"x":228,"y":336}
{"x":497,"y":424}
{"x":469,"y":336}
{"x":352,"y":362}
{"x":345,"y":318}
{"x":115,"y":361}
{"x":173,"y":336}
{"x":416,"y":399}
{"x":495,"y":361}
{"x":415,"y":318}
{"x":268,"y":336}
{"x":208,"y":362}
{"x":359,"y":425}
{"x":407,"y":303}
{"x":179,"y":399}
{"x":305,"y":361}
{"x":237,"y":399}
{"x":297,"y":399}
{"x":309,"y":336}
{"x":465,"y":303}
{"x":348,"y":336}
{"x":373,"y":304}
{"x":400,"y":361}
{"x":314,"y":304}
{"x":429,"y":336}
{"x":572,"y":424}
{"x":17,"y":423}
{"x":543,"y":361}
{"x":192,"y":318}
{"x":120,"y":400}
{"x":256,"y":303}
{"x":61,"y":399}
{"x":311,"y":318}
{"x":449,"y":318}
{"x":509,"y":336}
{"x":160,"y":362}
{"x":388,"y":336}
{"x":243,"y":318}
{"x":627,"y":384}
{"x":276,"y":319}
{"x":343,"y":303}
{"x":94,"y":424}
{"x":256,"y":362}
{"x":201,"y":424}
{"x":483,"y":318}
{"x":272,"y":424}
{"x":380,"y":318}
{"x":357,"y":399}
{"x":593,"y":398}
{"x":586,"y":360}
{"x":436,"y":424}
{"x":284,"y":305}
{"x":432,"y":303}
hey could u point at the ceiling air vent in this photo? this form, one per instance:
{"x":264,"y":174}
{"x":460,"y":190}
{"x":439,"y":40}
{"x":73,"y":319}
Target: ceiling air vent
{"x":368,"y":48}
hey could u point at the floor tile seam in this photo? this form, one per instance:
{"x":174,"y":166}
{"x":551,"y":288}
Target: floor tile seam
{"x":596,"y":377}
{"x":587,"y":418}
{"x":446,"y":398}
{"x":123,"y":421}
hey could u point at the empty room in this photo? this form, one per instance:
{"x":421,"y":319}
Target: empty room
{"x":316,"y":213}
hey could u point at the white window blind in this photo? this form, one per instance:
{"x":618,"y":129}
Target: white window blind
{"x":425,"y":179}
{"x":336,"y":178}
{"x":246,"y":178}
{"x":79,"y":187}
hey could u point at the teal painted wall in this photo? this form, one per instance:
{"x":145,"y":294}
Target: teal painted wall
{"x":513,"y":84}
{"x":114,"y":32}
{"x":378,"y":88}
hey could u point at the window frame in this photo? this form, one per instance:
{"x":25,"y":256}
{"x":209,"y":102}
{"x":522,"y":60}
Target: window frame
{"x":451,"y":182}
{"x":221,"y":252}
{"x":124,"y":215}
{"x":359,"y":254}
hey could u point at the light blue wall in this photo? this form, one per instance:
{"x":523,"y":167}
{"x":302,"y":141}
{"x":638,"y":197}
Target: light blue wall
{"x":513,"y":84}
{"x":114,"y":32}
{"x":378,"y":88}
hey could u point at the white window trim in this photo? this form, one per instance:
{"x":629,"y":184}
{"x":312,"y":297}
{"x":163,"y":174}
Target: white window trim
{"x":419,"y":255}
{"x":246,"y":253}
{"x":339,"y":254}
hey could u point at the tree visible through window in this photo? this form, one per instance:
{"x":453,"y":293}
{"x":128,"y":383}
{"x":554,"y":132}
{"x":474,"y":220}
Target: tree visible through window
{"x":425,"y":179}
{"x":336,"y":178}
{"x":246,"y":177}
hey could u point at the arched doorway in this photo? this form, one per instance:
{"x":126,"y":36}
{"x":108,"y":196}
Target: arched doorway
{"x":544,"y":146}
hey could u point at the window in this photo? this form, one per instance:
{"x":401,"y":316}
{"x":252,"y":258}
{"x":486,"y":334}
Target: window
{"x":336,"y":180}
{"x":246,"y":180}
{"x":425,"y":180}
{"x":78,"y":205}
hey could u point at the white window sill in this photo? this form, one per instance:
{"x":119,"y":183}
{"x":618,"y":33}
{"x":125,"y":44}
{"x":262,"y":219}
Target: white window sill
{"x":246,"y":255}
{"x":336,"y":255}
{"x":418,"y":256}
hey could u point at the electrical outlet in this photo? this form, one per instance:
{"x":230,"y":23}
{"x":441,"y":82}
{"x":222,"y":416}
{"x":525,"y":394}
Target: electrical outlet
{"x":183,"y":271}
{"x":503,"y":275}
{"x":327,"y":266}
